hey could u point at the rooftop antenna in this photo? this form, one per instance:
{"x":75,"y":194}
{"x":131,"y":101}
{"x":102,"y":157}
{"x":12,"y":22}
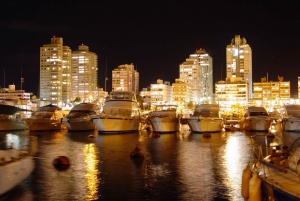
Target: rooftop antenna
{"x":105,"y":74}
{"x":4,"y":79}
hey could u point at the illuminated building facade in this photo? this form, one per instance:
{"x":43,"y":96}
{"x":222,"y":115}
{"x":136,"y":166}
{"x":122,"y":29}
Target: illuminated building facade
{"x":239,"y":61}
{"x":84,"y":73}
{"x":125,"y":78}
{"x":231,"y":91}
{"x":182,"y":92}
{"x":197,"y":70}
{"x":271,"y":94}
{"x":161,"y":92}
{"x":53,"y":57}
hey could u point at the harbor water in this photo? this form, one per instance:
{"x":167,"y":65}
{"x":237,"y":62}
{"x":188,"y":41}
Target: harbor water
{"x":175,"y":166}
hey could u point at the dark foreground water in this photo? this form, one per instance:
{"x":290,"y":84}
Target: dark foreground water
{"x":177,"y":166}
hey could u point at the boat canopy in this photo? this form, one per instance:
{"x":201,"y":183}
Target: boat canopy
{"x":10,"y":110}
{"x":49,"y":108}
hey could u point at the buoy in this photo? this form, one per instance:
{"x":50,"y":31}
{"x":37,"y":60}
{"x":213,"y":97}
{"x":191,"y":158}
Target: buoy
{"x":255,"y":188}
{"x":61,"y":163}
{"x":136,"y":153}
{"x":91,"y":136}
{"x":156,"y":134}
{"x":206,"y":135}
{"x":245,"y":182}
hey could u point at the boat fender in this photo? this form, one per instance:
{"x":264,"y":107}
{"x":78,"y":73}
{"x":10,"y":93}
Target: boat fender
{"x":255,"y":188}
{"x":245,"y":182}
{"x":61,"y":163}
{"x":207,"y":135}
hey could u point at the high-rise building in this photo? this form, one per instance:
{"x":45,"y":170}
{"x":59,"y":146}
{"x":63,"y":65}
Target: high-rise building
{"x":84,"y":73}
{"x":125,"y":78}
{"x":197,"y":70}
{"x":54,"y":60}
{"x":239,"y":60}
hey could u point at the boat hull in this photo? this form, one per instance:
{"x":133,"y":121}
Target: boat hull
{"x":12,"y":124}
{"x":164,"y":124}
{"x":43,"y":124}
{"x":291,"y":124}
{"x":257,"y":123}
{"x":78,"y":124}
{"x":116,"y":124}
{"x":204,"y":125}
{"x":13,"y":173}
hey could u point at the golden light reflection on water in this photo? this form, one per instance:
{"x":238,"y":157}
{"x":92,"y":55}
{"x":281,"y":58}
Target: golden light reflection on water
{"x":91,"y":175}
{"x":233,"y":157}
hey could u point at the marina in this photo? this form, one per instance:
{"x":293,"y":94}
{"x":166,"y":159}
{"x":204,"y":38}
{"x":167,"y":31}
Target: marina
{"x":176,"y":166}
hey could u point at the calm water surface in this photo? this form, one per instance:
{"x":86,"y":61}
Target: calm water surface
{"x":176,"y":166}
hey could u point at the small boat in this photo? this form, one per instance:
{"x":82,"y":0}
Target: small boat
{"x":231,"y":127}
{"x":79,"y":118}
{"x":16,"y":166}
{"x":206,"y":118}
{"x":121,"y":114}
{"x":46,"y":118}
{"x":164,"y":119}
{"x":278,"y":171}
{"x":10,"y":118}
{"x":257,"y":119}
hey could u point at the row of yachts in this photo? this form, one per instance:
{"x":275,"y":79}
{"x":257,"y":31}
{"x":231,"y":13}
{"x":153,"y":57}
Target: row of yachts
{"x":121,"y":114}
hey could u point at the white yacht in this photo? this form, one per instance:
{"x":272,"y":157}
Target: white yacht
{"x":206,"y":119}
{"x":10,"y":118}
{"x":257,"y":119}
{"x":164,"y":119}
{"x":121,"y":113}
{"x":79,"y":119}
{"x":46,"y":118}
{"x":291,"y":119}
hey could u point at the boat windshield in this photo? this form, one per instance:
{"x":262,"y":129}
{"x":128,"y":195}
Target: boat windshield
{"x":258,"y":114}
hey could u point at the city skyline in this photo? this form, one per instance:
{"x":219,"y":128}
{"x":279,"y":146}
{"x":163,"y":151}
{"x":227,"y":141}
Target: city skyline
{"x":151,"y":35}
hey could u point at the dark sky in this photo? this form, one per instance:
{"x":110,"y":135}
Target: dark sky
{"x":156,"y":36}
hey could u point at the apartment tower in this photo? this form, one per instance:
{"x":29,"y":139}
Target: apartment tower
{"x":84,"y":73}
{"x":239,"y":60}
{"x":197,"y":70}
{"x":54,"y":72}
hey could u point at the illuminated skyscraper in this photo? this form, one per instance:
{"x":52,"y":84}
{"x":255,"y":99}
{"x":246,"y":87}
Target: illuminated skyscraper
{"x":197,"y":70}
{"x":125,"y":78}
{"x":239,"y":61}
{"x":84,"y":73}
{"x":54,"y":63}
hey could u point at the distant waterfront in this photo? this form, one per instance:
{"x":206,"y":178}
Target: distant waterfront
{"x":177,"y":166}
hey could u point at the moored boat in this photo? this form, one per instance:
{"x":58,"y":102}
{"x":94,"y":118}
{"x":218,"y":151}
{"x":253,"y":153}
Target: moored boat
{"x":121,"y":113}
{"x":46,"y":118}
{"x":79,"y":118}
{"x":164,"y":119}
{"x":16,"y":166}
{"x":256,"y":119}
{"x":206,"y":118}
{"x":278,"y":171}
{"x":291,"y":119}
{"x":10,"y":119}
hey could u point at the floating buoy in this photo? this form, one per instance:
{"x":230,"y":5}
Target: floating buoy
{"x":61,"y":163}
{"x":206,"y":135}
{"x":255,"y":188}
{"x":245,"y":182}
{"x":91,"y":136}
{"x":136,"y":153}
{"x":156,"y":134}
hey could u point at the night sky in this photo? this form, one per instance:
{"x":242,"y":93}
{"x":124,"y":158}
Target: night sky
{"x":156,"y":36}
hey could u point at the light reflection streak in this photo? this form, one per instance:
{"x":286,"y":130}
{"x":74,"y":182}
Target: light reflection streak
{"x":91,"y":175}
{"x":233,"y":160}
